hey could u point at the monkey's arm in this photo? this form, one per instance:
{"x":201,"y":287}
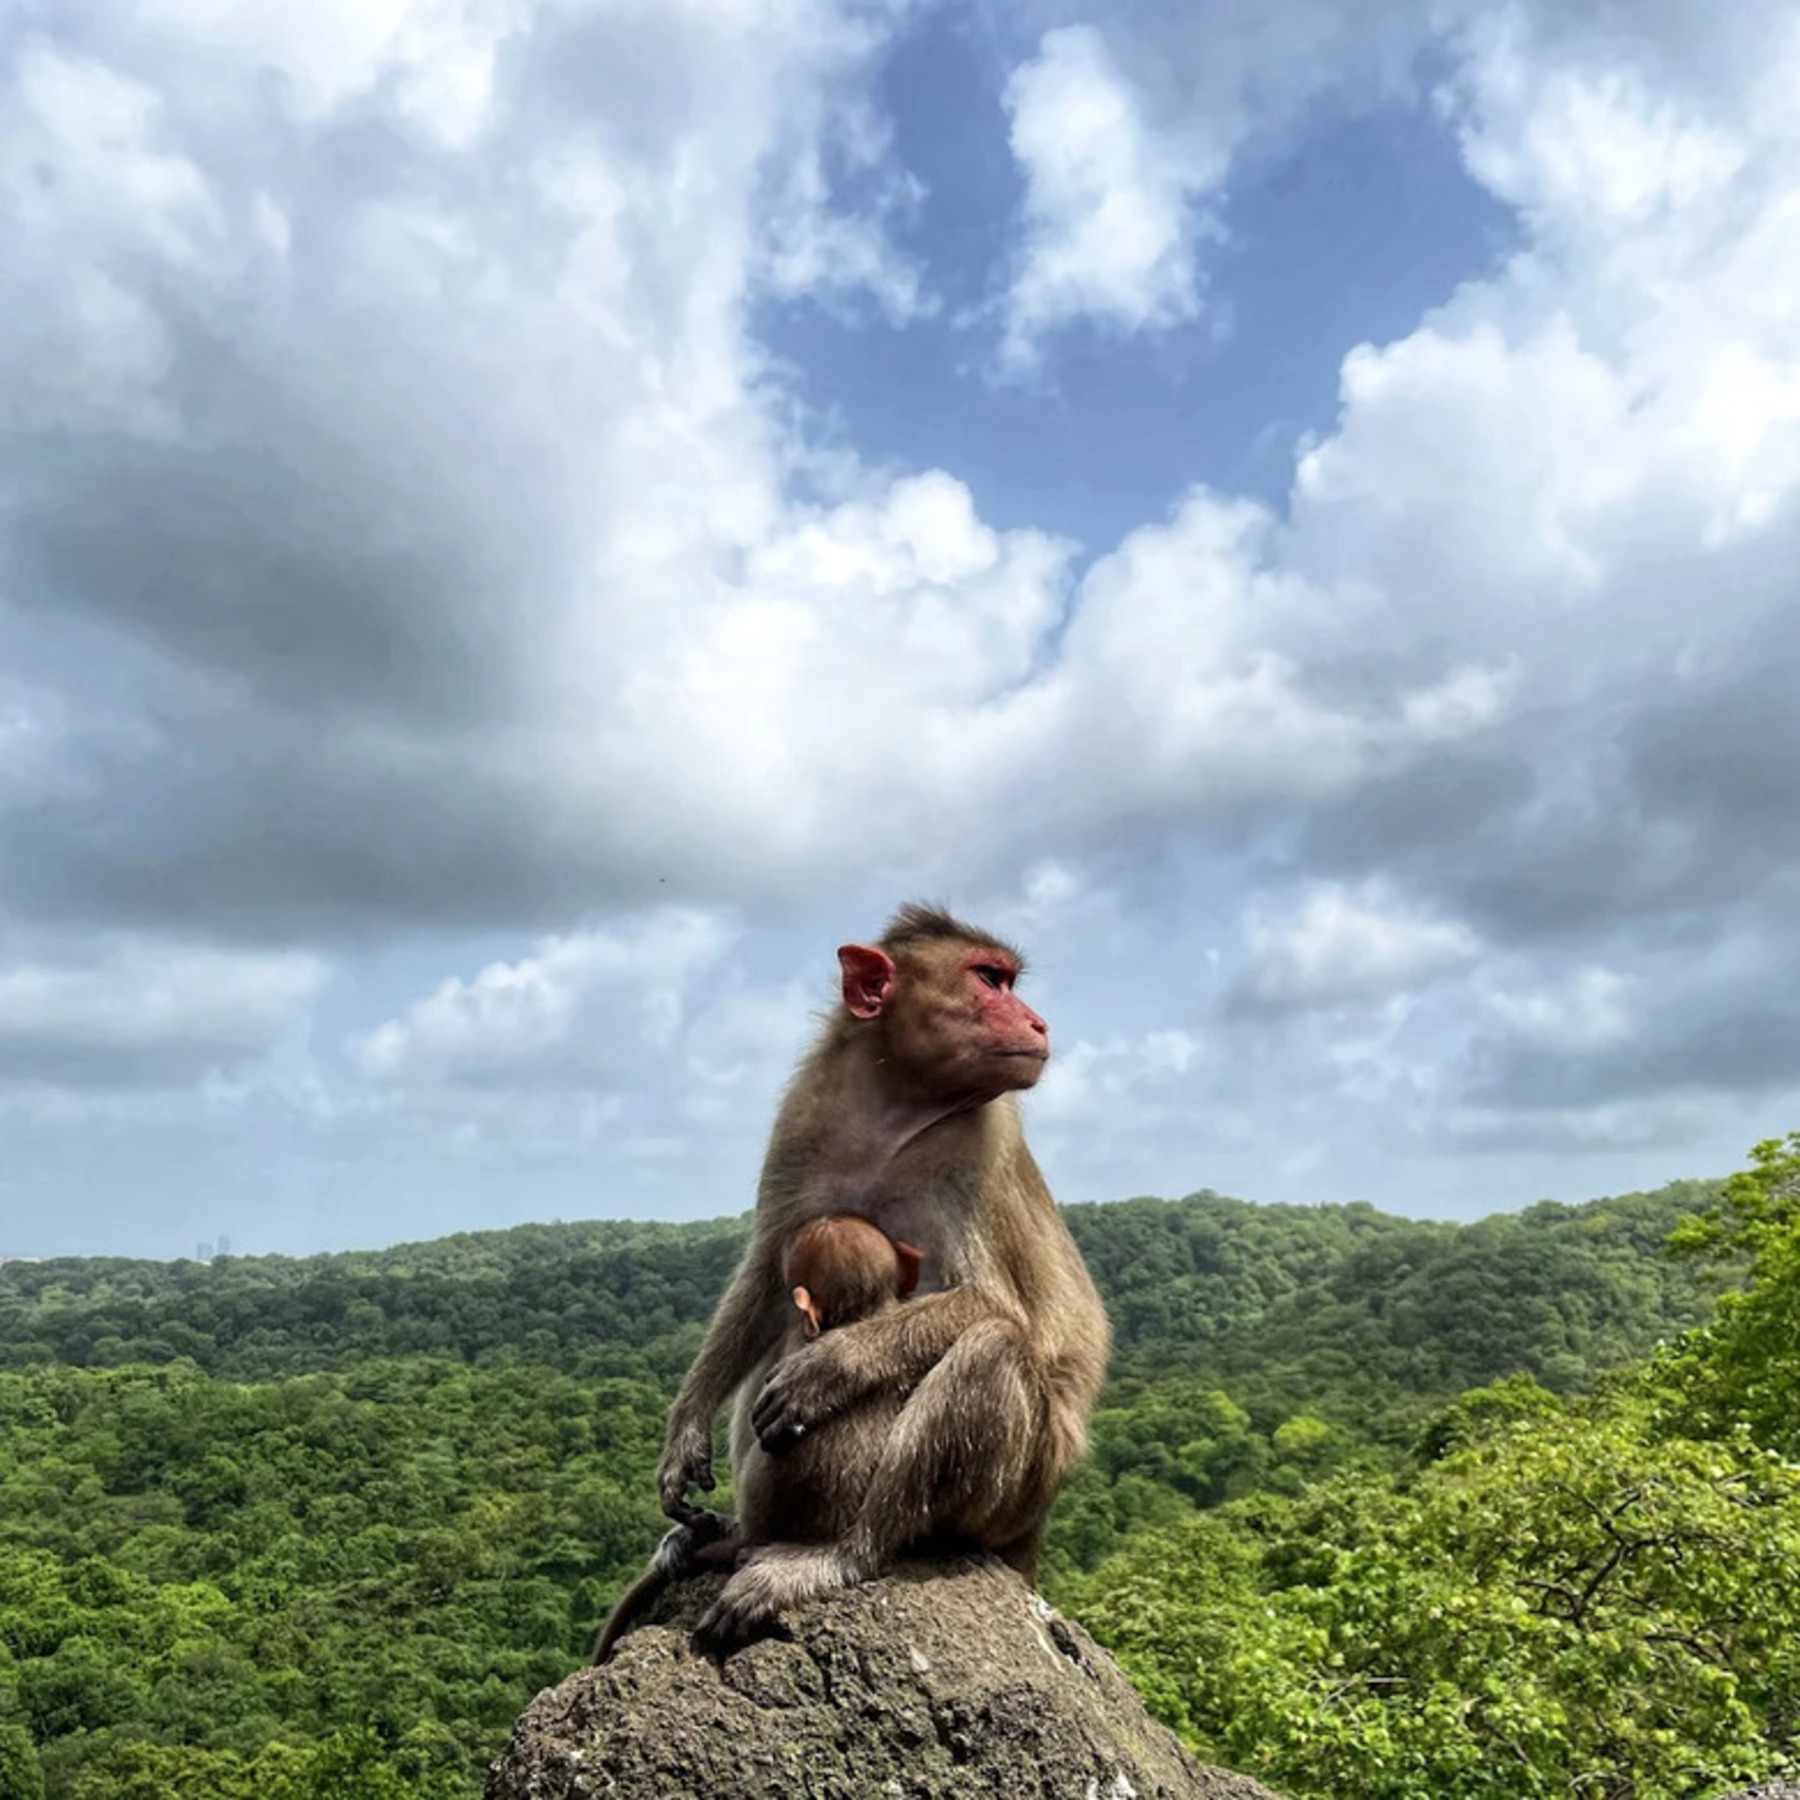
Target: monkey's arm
{"x":742,"y":1332}
{"x":894,"y":1352}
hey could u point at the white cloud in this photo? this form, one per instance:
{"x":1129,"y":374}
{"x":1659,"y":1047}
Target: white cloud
{"x":645,"y":1044}
{"x":146,"y":1014}
{"x":500,"y":415}
{"x":1129,"y":120}
{"x":1513,"y":445}
{"x":1093,"y":1083}
{"x":1053,"y":896}
{"x":1183,"y":694}
{"x":1582,"y":136}
{"x":839,"y":254}
{"x":1659,"y":1125}
{"x":326,"y":51}
{"x":1111,"y":217}
{"x":1591,"y":1009}
{"x":893,"y":652}
{"x":582,"y":1008}
{"x":1110,"y":1107}
{"x":738,"y":1043}
{"x":1334,"y":945}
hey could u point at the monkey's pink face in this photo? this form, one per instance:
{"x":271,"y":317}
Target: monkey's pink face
{"x":1004,"y":1030}
{"x":951,"y":1018}
{"x":961,"y":1029}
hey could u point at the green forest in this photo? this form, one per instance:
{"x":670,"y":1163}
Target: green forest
{"x":1375,"y":1506}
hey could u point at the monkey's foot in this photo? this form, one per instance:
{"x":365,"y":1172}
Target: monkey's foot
{"x":774,"y":1580}
{"x":679,"y":1552}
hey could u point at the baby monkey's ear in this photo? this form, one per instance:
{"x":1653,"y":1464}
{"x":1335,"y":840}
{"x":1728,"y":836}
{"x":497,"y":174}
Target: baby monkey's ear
{"x":809,"y":1311}
{"x":911,"y":1261}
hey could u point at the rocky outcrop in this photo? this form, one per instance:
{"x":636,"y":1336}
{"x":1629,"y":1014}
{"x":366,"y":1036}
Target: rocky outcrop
{"x":947,"y":1680}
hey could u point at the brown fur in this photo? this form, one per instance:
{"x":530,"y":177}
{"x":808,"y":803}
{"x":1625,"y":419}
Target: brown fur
{"x":837,"y":1269}
{"x":903,"y":1113}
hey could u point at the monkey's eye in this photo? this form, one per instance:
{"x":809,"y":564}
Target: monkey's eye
{"x":994,"y":975}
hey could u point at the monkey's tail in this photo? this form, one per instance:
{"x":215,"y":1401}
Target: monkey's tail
{"x":633,"y":1604}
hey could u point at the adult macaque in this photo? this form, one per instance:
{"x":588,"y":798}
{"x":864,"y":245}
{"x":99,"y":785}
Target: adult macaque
{"x":837,"y":1270}
{"x":902,"y":1113}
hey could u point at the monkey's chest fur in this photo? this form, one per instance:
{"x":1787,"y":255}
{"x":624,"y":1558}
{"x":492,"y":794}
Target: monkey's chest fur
{"x":916,"y":1195}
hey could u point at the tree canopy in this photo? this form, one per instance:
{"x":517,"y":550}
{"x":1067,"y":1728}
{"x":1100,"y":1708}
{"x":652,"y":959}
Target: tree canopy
{"x":1374,"y":1505}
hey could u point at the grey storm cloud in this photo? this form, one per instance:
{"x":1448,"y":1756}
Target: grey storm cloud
{"x":1717,"y":1038}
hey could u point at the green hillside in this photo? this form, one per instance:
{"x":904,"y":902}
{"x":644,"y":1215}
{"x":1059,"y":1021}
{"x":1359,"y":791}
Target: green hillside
{"x":319,"y":1526}
{"x":1206,"y":1285}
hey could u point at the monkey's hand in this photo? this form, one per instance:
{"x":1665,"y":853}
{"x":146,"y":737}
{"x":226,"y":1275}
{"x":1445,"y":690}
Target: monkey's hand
{"x":686,"y":1460}
{"x":803,"y":1391}
{"x":773,"y":1581}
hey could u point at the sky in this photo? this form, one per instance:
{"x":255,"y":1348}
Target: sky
{"x":526,"y":523}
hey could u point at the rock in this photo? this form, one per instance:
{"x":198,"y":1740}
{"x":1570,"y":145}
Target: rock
{"x":1769,"y":1790}
{"x":946,"y":1679}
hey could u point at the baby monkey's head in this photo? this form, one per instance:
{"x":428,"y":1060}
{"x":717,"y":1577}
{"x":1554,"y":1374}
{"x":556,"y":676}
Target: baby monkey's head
{"x":841,"y":1268}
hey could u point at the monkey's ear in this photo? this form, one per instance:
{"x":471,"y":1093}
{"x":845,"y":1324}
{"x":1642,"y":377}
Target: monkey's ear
{"x":809,"y":1310}
{"x":868,"y":979}
{"x":911,"y":1261}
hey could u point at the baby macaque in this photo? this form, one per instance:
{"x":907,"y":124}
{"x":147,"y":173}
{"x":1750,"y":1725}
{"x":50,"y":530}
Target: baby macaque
{"x":838,"y":1270}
